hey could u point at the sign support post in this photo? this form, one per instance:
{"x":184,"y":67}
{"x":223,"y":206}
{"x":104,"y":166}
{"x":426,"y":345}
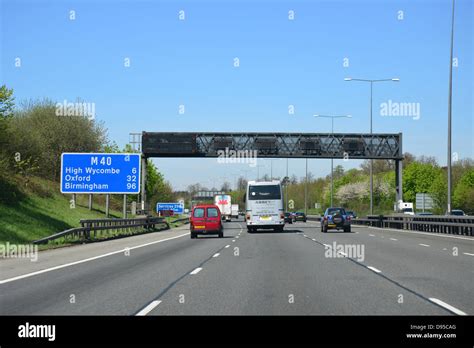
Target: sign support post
{"x":107,"y":205}
{"x":124,"y":206}
{"x":143,"y":181}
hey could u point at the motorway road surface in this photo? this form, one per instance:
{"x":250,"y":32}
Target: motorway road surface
{"x":289,"y":273}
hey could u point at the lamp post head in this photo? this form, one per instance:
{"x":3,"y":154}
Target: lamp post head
{"x":396,"y":79}
{"x":347,"y":78}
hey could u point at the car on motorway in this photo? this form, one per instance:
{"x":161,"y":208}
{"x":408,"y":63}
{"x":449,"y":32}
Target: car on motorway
{"x":456,"y":212}
{"x":300,"y":216}
{"x":352,"y":214}
{"x":288,"y":218}
{"x":335,"y":218}
{"x":206,"y":219}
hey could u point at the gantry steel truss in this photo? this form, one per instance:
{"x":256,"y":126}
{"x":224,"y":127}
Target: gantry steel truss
{"x":276,"y":145}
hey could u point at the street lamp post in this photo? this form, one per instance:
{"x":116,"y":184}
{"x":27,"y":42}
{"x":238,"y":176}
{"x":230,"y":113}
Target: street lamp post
{"x":286,"y":186}
{"x":332,"y":117}
{"x":395,"y":79}
{"x":450,"y":96}
{"x":258,"y":170}
{"x":306,"y":190}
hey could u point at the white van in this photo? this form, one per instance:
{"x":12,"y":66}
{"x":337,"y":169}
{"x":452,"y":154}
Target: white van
{"x":264,"y":206}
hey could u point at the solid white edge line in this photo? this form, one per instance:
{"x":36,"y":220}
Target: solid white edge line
{"x":148,"y":308}
{"x":416,"y":232}
{"x":228,"y":245}
{"x":413,"y":232}
{"x":393,"y":239}
{"x":27,"y":275}
{"x":196,"y":271}
{"x":215,"y":255}
{"x":468,"y":254}
{"x":447,"y":306}
{"x":425,"y":245}
{"x":374,"y":269}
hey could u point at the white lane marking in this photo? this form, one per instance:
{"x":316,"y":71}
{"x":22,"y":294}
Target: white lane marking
{"x":468,"y":254}
{"x":425,"y":245}
{"x":328,"y":245}
{"x":215,"y":255}
{"x":233,"y":240}
{"x":447,"y":306}
{"x":304,"y":235}
{"x":357,"y":232}
{"x":372,"y":235}
{"x":424,"y":233}
{"x":148,"y":308}
{"x":88,"y":259}
{"x":374,"y":269}
{"x":314,"y":240}
{"x":393,"y":239}
{"x":196,"y":271}
{"x":227,"y":246}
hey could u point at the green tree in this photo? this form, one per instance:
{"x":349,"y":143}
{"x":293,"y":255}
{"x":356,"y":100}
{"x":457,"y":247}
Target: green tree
{"x":6,"y":112}
{"x":6,"y":102}
{"x":38,"y":133}
{"x":418,"y":178}
{"x":463,"y":197}
{"x":157,"y":189}
{"x":438,"y":191}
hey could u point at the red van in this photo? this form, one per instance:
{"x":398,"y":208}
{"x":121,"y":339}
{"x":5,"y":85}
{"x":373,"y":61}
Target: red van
{"x":206,"y":219}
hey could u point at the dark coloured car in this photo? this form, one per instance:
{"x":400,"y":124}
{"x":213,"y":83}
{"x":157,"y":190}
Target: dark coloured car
{"x":300,"y":216}
{"x":457,"y":212}
{"x":351,"y":213}
{"x":206,"y":219}
{"x":335,"y":218}
{"x":288,"y":218}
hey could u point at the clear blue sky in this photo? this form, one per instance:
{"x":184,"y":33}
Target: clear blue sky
{"x":282,"y":62}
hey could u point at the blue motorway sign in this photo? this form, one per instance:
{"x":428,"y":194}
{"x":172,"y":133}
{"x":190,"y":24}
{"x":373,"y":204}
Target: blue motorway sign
{"x":177,"y":208}
{"x":117,"y":173}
